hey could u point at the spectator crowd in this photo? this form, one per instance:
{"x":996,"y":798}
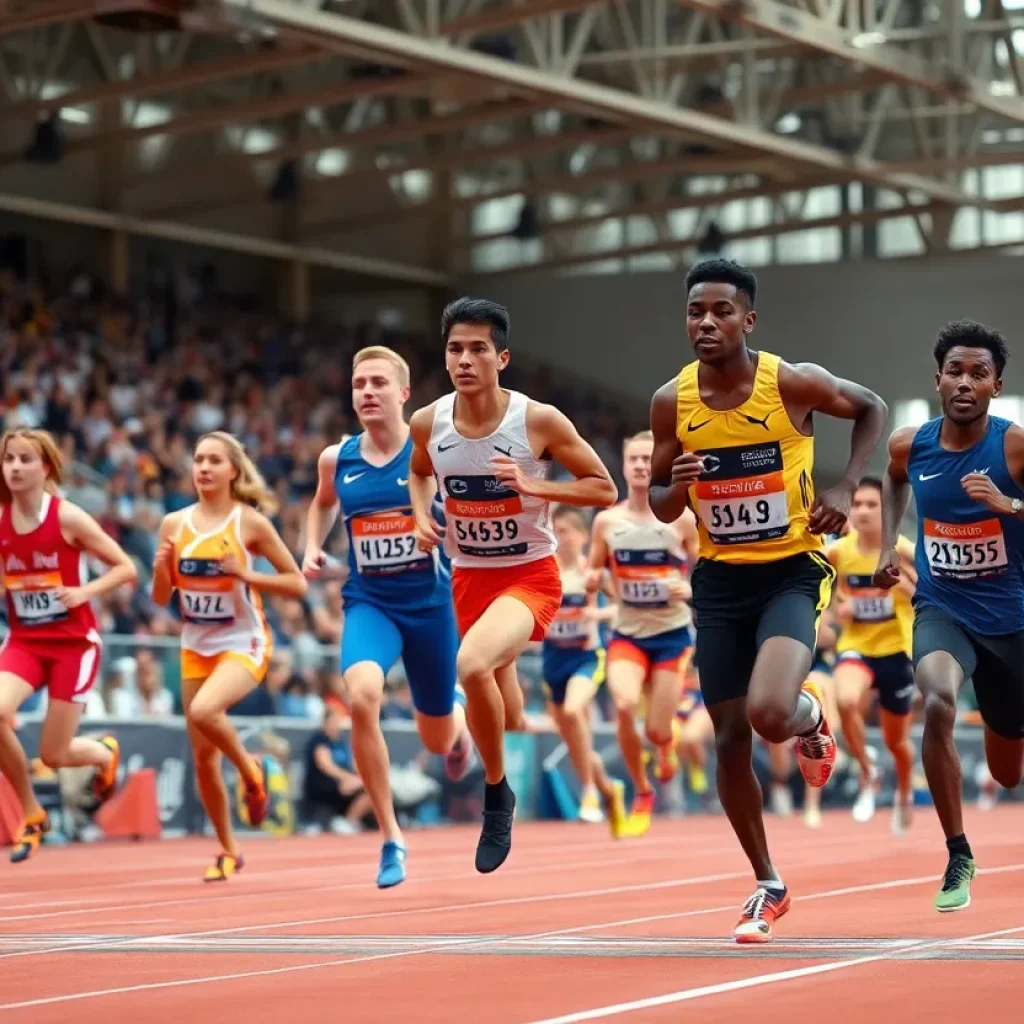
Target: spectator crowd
{"x":128,"y":386}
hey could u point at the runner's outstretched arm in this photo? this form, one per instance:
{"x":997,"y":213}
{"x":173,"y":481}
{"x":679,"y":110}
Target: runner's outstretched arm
{"x":422,"y":483}
{"x":554,"y":432}
{"x":895,"y":499}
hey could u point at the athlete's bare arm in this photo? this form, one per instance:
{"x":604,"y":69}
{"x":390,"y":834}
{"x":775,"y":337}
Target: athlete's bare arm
{"x":422,"y":483}
{"x":979,"y":487}
{"x":552,"y":435}
{"x":686,"y":530}
{"x":80,"y":529}
{"x":163,"y":585}
{"x":597,"y":560}
{"x":807,"y":388}
{"x":261,"y":538}
{"x":895,"y":499}
{"x":672,"y":469}
{"x":323,"y":511}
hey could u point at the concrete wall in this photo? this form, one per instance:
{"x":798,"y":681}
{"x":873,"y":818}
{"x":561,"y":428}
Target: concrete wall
{"x":872,"y":322}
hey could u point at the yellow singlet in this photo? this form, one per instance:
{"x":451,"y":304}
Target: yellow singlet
{"x":754,"y":498}
{"x":883,"y":620}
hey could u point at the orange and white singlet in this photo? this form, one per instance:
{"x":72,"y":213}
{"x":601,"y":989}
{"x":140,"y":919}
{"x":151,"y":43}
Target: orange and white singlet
{"x":221,"y":614}
{"x":644,"y":558}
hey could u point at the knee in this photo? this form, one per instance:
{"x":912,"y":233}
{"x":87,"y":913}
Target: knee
{"x":202,"y":714}
{"x":771,"y":721}
{"x":364,"y":704}
{"x":1008,"y":776}
{"x":657,"y":737}
{"x":848,"y":702}
{"x":733,"y":739}
{"x":939,"y":709}
{"x":471,"y":668}
{"x":52,"y":756}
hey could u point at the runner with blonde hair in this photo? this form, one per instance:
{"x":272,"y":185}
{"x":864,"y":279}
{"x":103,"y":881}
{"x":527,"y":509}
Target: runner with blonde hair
{"x":54,"y":639}
{"x":206,"y":553}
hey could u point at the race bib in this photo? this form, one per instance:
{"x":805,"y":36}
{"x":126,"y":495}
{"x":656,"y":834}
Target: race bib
{"x":965,"y":550}
{"x":869,"y":603}
{"x":483,"y":516}
{"x":35,"y":600}
{"x":569,"y":626}
{"x":741,"y":496}
{"x":385,"y":544}
{"x":207,"y":596}
{"x":647,"y":592}
{"x":208,"y":607}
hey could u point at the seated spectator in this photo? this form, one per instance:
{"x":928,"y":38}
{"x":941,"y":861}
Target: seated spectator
{"x":332,"y":786}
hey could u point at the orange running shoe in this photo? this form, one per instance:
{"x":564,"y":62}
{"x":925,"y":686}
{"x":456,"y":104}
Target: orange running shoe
{"x":667,"y":761}
{"x":816,"y":754}
{"x":226,"y":865}
{"x":760,"y":912}
{"x":106,"y":778}
{"x":31,"y":837}
{"x":257,"y":802}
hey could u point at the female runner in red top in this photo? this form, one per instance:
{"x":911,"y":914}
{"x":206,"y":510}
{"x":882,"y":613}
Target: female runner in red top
{"x":53,"y":638}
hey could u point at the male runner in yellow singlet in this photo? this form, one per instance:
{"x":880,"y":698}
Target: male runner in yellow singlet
{"x":873,"y":650}
{"x":733,"y":440}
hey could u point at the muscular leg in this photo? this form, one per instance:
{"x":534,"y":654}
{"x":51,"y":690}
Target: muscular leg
{"x":1005,"y":758}
{"x":209,"y":778}
{"x":852,"y":682}
{"x":493,"y":642}
{"x":738,"y":788}
{"x":58,"y":745}
{"x":939,"y":678}
{"x":14,"y":691}
{"x":778,"y":709}
{"x":365,"y":684}
{"x":896,"y":731}
{"x":665,"y":692}
{"x":625,"y":683}
{"x":226,"y":685}
{"x":572,"y":719}
{"x":439,"y":733}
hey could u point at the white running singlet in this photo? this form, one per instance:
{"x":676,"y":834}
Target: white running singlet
{"x":489,"y":525}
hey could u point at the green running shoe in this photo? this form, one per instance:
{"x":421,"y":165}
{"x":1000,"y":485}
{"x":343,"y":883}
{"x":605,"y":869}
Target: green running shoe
{"x":955,"y":893}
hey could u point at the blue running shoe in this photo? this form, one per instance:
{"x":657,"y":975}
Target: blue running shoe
{"x":392,"y":865}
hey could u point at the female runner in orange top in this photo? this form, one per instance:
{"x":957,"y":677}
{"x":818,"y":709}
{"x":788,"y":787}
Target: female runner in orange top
{"x":206,"y":552}
{"x":53,"y":637}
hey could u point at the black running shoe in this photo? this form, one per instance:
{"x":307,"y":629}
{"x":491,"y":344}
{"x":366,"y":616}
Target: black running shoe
{"x":496,"y":835}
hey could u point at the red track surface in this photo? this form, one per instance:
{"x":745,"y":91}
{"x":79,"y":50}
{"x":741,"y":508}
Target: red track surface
{"x":573,"y":927}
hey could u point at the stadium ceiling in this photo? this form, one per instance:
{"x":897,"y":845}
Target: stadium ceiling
{"x":384,"y":127}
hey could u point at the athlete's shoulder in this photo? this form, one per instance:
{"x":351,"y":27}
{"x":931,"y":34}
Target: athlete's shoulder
{"x":171,"y":524}
{"x":901,"y":441}
{"x":421,"y":423}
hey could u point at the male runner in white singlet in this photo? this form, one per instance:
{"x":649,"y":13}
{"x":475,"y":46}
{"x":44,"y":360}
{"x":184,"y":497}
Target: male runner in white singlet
{"x":488,"y":451}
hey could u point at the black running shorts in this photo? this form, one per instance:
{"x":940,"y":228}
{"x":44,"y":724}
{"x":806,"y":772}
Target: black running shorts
{"x":738,"y":607}
{"x":891,"y":675}
{"x":995,"y":663}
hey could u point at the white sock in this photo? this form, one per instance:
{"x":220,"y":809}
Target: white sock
{"x":774,"y":885}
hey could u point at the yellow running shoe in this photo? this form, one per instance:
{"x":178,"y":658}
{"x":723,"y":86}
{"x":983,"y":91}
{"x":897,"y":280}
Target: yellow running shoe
{"x":226,"y":865}
{"x":639,"y":821}
{"x":106,"y":778}
{"x":616,"y":808}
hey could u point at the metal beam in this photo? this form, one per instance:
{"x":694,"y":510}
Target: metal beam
{"x":104,"y":220}
{"x":343,"y":33}
{"x":679,"y":244}
{"x":512,"y":14}
{"x":166,"y":81}
{"x":898,"y":64}
{"x":206,"y":120}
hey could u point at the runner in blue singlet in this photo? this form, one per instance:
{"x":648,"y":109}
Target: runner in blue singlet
{"x":398,"y":599}
{"x":965,"y":470}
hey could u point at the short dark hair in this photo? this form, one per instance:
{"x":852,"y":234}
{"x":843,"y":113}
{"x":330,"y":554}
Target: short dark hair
{"x":870,"y":481}
{"x":479,"y":312}
{"x":971,"y":334}
{"x":724,"y":272}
